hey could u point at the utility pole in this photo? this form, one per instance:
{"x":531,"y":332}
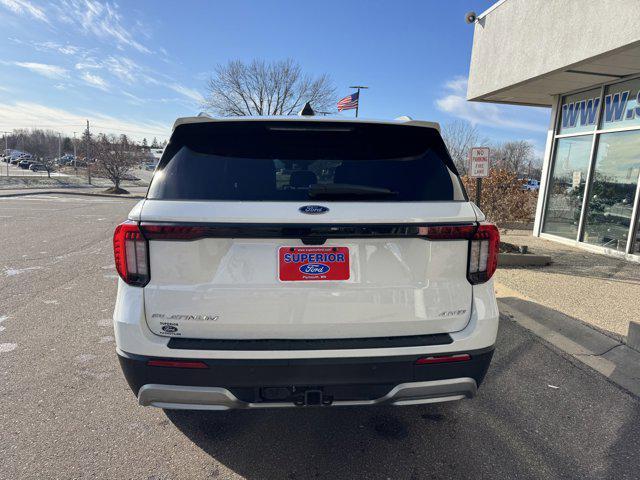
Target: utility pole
{"x":6,"y":149}
{"x":358,"y":87}
{"x":59,"y":145}
{"x":88,"y":152}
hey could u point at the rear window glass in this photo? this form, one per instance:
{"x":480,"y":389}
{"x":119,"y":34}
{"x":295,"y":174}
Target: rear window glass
{"x":301,"y":161}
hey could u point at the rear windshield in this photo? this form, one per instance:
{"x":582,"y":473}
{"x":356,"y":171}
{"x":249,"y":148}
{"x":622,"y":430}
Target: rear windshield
{"x":301,"y":161}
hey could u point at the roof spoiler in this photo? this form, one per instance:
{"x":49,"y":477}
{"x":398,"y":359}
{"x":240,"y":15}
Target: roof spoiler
{"x":418,"y":123}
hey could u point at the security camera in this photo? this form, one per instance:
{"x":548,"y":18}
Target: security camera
{"x":471,"y":17}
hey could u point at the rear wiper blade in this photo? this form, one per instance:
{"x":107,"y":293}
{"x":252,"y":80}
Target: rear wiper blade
{"x":347,"y":190}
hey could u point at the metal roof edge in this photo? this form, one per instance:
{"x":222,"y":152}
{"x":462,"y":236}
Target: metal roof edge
{"x":490,"y":9}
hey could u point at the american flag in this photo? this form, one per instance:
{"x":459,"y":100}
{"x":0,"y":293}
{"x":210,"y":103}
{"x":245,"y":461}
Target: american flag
{"x":349,"y":102}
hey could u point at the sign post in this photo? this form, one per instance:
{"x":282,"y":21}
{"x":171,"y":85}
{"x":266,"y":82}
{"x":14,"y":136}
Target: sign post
{"x":479,"y":168}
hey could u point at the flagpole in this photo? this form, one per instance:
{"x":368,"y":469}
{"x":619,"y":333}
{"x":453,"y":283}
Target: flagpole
{"x":358,"y":87}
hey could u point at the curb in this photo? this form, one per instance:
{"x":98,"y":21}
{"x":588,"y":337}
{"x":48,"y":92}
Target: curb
{"x":633,"y":335}
{"x":605,"y":354}
{"x":54,"y":192}
{"x":521,"y":259}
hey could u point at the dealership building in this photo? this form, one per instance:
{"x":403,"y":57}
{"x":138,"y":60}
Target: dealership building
{"x":581,"y":58}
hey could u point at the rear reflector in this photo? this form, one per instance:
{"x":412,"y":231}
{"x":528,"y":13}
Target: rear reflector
{"x":443,"y":359}
{"x":176,"y":364}
{"x":131,"y":254}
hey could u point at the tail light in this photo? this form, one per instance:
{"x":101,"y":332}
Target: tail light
{"x":484,"y":241}
{"x":130,"y":251}
{"x":483,"y":253}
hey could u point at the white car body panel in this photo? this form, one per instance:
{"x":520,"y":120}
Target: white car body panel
{"x":132,"y":334}
{"x":287,"y":212}
{"x":397,"y":286}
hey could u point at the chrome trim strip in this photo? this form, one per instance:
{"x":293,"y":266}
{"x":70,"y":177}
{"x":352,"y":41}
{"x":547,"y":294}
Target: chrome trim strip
{"x":217,"y":398}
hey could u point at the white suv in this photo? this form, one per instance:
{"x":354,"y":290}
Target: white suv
{"x":304,"y":261}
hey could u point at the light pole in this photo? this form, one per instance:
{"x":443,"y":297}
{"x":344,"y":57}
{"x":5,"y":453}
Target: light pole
{"x":6,"y":149}
{"x":75,"y":157}
{"x":358,"y":87}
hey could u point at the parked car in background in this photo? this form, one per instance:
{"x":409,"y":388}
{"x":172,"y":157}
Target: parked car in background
{"x":531,"y":185}
{"x":25,"y":163}
{"x":37,"y":167}
{"x":371,"y":285}
{"x":65,"y":160}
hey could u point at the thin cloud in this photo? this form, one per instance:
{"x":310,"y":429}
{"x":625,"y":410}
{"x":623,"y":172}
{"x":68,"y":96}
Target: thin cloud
{"x":486,"y":114}
{"x":53,"y":46}
{"x":95,"y":81}
{"x":24,"y":7}
{"x":187,"y":92}
{"x":124,"y":68}
{"x":457,"y":85}
{"x":103,"y":21}
{"x":33,"y":115}
{"x":44,"y":69}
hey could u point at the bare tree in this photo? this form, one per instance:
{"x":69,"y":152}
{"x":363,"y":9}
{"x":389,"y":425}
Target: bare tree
{"x":261,"y":88}
{"x":115,"y":157}
{"x":459,"y":137}
{"x":42,"y":144}
{"x":514,"y":156}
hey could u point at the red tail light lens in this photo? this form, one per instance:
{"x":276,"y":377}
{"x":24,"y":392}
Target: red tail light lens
{"x":176,"y":364}
{"x":483,"y":253}
{"x":447,"y":232}
{"x":462,"y":357}
{"x":130,"y":251}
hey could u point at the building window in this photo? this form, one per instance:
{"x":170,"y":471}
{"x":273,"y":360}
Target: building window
{"x":566,"y":186}
{"x":613,"y":189}
{"x":579,"y":112}
{"x":620,"y":105}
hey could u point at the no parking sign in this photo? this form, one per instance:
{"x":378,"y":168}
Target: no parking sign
{"x":479,"y":166}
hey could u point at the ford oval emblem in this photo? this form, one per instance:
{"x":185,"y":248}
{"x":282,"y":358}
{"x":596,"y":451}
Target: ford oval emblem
{"x":313,"y":209}
{"x":315,"y":268}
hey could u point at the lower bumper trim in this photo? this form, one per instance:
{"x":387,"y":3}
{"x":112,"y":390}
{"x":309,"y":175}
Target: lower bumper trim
{"x":182,"y":397}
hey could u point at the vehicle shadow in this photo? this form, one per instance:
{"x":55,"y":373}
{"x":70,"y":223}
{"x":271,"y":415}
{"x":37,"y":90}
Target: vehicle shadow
{"x":517,"y":427}
{"x":310,"y":442}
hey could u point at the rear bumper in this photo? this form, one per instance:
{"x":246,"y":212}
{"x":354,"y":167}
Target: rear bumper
{"x":239,"y":384}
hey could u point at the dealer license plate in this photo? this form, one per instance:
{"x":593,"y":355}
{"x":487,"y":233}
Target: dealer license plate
{"x":313,"y":263}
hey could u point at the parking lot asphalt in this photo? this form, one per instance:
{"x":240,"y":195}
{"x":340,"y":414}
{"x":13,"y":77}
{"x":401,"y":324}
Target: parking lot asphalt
{"x":66,"y":411}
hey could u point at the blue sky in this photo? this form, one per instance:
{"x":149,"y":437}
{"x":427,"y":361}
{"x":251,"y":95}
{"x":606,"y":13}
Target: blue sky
{"x":134,"y":66}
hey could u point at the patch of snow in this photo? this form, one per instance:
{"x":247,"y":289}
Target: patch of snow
{"x":10,"y":272}
{"x":106,"y":339}
{"x":7,"y":347}
{"x":105,"y":322}
{"x":84,"y":357}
